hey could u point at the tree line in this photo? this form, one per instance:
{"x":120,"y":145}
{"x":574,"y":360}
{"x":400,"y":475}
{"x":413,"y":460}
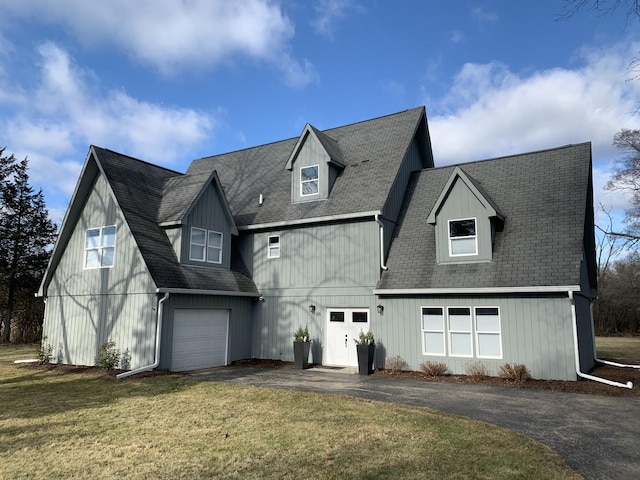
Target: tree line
{"x":26,"y":238}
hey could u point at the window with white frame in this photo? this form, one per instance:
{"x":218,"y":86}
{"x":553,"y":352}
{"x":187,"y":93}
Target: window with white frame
{"x":309,"y":181}
{"x":433,"y":341}
{"x":462,"y":237}
{"x":205,"y":245}
{"x":273,"y":246}
{"x":460,"y":326}
{"x":100,"y":247}
{"x":488,"y":336}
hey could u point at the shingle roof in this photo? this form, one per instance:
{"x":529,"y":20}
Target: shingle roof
{"x":178,"y":195}
{"x":138,"y":187}
{"x":544,"y":199}
{"x":371,"y":152}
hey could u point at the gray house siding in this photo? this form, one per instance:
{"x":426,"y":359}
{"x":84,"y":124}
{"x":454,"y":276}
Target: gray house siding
{"x":241,"y":313}
{"x":87,"y":307}
{"x":209,"y":214}
{"x":311,"y":153}
{"x":536,"y":331}
{"x":586,"y":340}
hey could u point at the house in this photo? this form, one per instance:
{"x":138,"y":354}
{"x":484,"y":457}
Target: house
{"x":341,"y":230}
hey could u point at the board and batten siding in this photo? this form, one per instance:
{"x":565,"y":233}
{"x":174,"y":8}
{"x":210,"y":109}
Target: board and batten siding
{"x":241,"y":313}
{"x":87,"y":307}
{"x":536,"y":332}
{"x":312,"y":153}
{"x":209,"y":214}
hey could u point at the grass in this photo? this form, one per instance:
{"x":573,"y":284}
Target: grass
{"x":56,"y":423}
{"x":622,"y":349}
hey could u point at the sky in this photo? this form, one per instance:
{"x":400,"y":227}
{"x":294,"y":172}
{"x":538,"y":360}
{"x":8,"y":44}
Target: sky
{"x":169,"y":81}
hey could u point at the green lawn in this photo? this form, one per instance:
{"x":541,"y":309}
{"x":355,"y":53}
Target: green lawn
{"x":621,"y":349}
{"x":56,"y":424}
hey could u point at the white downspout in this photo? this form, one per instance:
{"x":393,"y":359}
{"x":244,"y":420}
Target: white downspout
{"x":147,"y":368}
{"x":607,"y":362}
{"x":574,"y":322}
{"x":382,"y":264}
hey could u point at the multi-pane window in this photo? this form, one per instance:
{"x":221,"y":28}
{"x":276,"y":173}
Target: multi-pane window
{"x":309,"y":180}
{"x":99,"y":247}
{"x":462,"y":237}
{"x":461,"y":334}
{"x":273,"y":246}
{"x":433,"y":331}
{"x":488,"y":340}
{"x":205,"y":245}
{"x":460,"y":340}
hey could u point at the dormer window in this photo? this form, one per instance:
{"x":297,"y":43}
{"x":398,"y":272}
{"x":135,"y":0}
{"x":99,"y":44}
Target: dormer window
{"x":462,"y":237}
{"x":309,"y":181}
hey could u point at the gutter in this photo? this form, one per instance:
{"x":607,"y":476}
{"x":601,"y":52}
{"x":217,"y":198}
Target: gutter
{"x":311,"y":220}
{"x":383,"y":266}
{"x":574,"y":322}
{"x":158,"y":332}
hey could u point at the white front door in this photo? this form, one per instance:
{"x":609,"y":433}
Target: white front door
{"x":343,"y":325}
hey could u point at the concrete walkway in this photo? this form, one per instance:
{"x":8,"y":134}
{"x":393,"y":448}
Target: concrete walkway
{"x":597,"y":436}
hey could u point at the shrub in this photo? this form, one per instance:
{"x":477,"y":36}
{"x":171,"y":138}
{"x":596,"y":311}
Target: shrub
{"x":45,"y":352}
{"x":433,"y":369}
{"x":396,"y":364}
{"x":108,"y":356}
{"x":516,"y":373}
{"x":301,"y":335}
{"x":476,"y":371}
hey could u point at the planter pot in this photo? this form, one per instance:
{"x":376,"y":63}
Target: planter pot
{"x":365,"y":359}
{"x":301,"y":354}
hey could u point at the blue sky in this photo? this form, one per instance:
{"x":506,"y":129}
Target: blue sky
{"x":169,"y":81}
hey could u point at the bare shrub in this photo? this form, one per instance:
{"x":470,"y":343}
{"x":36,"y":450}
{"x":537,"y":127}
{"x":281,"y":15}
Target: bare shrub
{"x":516,"y":373}
{"x":476,"y":371}
{"x":396,"y":364}
{"x":433,"y":369}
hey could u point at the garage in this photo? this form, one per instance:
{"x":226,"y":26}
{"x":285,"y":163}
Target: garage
{"x":199,"y":339}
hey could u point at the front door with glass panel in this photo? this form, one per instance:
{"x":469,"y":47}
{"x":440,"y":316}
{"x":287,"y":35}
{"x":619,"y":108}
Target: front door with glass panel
{"x":343,"y":325}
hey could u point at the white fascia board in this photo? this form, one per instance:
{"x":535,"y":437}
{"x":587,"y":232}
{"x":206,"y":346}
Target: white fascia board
{"x":188,"y":291}
{"x":306,"y":221}
{"x":477,"y":290}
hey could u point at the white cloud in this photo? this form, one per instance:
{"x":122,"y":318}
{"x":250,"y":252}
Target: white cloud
{"x":171,"y":35}
{"x":483,"y":17}
{"x":68,"y":111}
{"x":328,"y":12}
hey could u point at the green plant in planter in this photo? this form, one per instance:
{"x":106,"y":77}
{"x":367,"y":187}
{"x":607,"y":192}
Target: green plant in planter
{"x":366,"y":346}
{"x":301,"y":347}
{"x":301,"y":335}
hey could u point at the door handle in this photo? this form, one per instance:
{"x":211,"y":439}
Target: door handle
{"x":345,"y":340}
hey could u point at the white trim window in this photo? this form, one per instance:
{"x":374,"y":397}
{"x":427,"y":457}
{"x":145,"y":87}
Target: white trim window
{"x":273,"y":246}
{"x":488,"y":332}
{"x":433,"y":339}
{"x":100,"y":247}
{"x":463,"y":239}
{"x":205,"y":245}
{"x":460,"y":328}
{"x":309,"y":181}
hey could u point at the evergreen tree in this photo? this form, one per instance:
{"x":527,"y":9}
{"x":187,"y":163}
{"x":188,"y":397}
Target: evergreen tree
{"x":26,"y":235}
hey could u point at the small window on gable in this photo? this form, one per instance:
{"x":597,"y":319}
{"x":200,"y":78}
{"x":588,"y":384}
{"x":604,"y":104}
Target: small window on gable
{"x":309,"y":181}
{"x":100,"y":247}
{"x":206,"y":245}
{"x":273,"y":246}
{"x":462,"y":237}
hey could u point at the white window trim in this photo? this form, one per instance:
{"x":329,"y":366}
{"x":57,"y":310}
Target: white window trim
{"x":469,"y":332}
{"x":100,"y":248}
{"x":269,"y":246}
{"x":205,"y":246}
{"x":302,"y":182}
{"x":476,"y":332}
{"x":450,"y":238}
{"x":443,"y":331}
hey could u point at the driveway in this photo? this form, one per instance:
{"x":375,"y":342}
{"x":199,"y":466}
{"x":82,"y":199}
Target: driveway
{"x":597,"y":436}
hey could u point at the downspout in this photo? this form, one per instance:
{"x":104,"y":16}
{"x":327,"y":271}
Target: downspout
{"x":382,"y":264}
{"x":607,"y":362}
{"x":158,"y":332}
{"x":574,"y":322}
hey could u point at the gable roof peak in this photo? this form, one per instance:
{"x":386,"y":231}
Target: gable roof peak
{"x":329,"y":145}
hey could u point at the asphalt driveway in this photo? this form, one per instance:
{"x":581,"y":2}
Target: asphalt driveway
{"x":598,"y":436}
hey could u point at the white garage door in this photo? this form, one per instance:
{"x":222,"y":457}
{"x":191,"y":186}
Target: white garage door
{"x":199,"y":339}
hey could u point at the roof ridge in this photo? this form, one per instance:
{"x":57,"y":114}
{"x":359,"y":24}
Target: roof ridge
{"x":136,"y":159}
